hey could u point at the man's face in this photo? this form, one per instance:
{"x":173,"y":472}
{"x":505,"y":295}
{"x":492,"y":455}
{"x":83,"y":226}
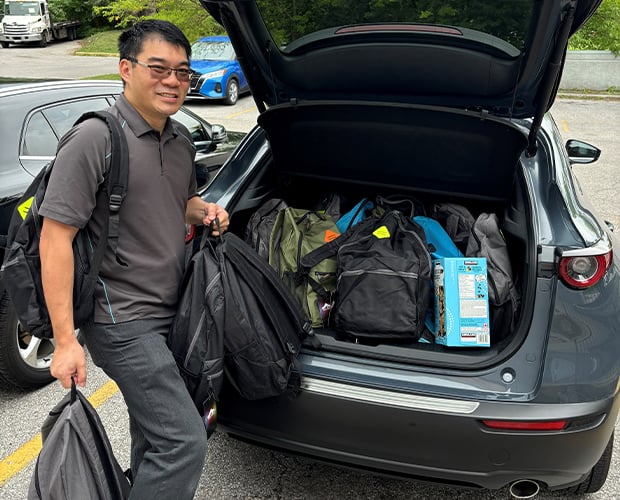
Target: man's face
{"x":156,"y":97}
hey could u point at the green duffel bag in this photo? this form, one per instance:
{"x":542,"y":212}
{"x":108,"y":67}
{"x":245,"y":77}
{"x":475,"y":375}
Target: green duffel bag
{"x":296,"y":233}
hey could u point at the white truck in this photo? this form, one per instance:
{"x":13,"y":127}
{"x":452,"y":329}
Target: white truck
{"x":27,"y":21}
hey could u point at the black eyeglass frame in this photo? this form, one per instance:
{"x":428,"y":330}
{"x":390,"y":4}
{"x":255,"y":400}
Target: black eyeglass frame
{"x":161,"y":72}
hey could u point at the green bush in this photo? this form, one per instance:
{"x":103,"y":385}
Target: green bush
{"x":81,"y":10}
{"x":188,"y":15}
{"x":601,"y":31}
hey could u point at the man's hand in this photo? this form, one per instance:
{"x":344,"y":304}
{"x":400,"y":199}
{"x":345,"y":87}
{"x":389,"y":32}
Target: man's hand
{"x":200,"y":212}
{"x":69,"y":361}
{"x":213,"y":212}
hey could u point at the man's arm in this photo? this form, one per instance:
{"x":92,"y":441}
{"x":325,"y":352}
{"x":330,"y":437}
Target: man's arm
{"x":57,"y":275}
{"x":199,"y":211}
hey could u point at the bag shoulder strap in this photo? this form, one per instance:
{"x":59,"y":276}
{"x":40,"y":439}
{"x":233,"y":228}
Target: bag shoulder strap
{"x":330,"y":248}
{"x":115,"y":183}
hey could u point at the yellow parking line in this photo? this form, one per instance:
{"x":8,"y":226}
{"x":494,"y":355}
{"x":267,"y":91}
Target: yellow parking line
{"x":243,"y":112}
{"x":565,"y":126}
{"x":20,"y":458}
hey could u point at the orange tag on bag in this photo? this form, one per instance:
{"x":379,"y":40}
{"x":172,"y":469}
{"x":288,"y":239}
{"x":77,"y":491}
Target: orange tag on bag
{"x":330,"y":235}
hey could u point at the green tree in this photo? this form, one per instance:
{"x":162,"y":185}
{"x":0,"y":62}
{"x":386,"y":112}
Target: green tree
{"x":188,"y":15}
{"x":601,"y":31}
{"x":69,"y":10}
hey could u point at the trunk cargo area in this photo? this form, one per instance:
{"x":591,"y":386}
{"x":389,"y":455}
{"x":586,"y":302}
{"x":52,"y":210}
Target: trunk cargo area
{"x":430,"y":155}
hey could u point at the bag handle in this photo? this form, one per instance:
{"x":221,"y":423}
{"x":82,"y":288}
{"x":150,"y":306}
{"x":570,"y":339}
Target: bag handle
{"x":207,"y":234}
{"x":73,"y":389}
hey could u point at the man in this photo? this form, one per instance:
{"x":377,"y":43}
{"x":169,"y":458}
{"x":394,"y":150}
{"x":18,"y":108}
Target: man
{"x":138,"y":285}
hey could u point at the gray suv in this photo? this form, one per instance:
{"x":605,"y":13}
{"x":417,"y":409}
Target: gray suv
{"x":441,"y":102}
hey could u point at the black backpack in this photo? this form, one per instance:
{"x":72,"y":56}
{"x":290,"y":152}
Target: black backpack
{"x":384,"y":278}
{"x":264,"y":325}
{"x":457,"y":220}
{"x":196,"y":337}
{"x":21,"y":269}
{"x":261,"y":223}
{"x":234,"y":307}
{"x":76,"y":461}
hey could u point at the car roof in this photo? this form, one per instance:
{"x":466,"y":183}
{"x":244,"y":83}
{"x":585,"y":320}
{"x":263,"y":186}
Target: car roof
{"x":11,"y":88}
{"x":72,"y":88}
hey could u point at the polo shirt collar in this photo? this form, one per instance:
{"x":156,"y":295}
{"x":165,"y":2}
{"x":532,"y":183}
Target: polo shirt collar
{"x":138,"y":124}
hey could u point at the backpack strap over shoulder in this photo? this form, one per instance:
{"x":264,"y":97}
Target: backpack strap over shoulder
{"x":117,"y":177}
{"x":115,"y":183}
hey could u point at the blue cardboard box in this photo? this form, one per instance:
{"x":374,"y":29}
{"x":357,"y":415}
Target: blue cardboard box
{"x":461,"y":302}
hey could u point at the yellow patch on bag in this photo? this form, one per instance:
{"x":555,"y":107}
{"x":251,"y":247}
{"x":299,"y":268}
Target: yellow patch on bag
{"x":22,"y":209}
{"x":381,"y":232}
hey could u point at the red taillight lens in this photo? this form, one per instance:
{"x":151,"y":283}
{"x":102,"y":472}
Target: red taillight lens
{"x":584,"y":271}
{"x":513,"y":425}
{"x":190,"y":232}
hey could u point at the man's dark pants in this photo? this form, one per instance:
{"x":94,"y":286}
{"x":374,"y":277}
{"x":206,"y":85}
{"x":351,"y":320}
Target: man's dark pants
{"x":168,"y":437}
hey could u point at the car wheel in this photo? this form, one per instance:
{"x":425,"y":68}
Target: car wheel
{"x":595,"y":480}
{"x":232,"y":92}
{"x":24,"y":359}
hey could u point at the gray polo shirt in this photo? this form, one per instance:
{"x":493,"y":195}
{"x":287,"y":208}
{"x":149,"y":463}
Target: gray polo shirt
{"x":142,"y":280}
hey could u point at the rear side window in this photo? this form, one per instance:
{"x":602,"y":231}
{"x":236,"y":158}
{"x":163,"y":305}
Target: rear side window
{"x":39,"y":139}
{"x":45,"y":127}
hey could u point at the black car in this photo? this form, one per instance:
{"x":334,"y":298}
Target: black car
{"x":34,"y":117}
{"x":442,"y":102}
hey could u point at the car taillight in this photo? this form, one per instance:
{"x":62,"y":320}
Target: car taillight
{"x":583,"y":271}
{"x":190,"y":232}
{"x":520,"y":425}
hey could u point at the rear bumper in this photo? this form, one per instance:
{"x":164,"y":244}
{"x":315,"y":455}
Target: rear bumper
{"x":431,"y":439}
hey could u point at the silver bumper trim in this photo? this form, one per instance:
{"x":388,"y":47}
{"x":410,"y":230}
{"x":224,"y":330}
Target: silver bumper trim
{"x":391,"y":398}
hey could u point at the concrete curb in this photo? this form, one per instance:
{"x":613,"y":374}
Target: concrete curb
{"x":95,"y":54}
{"x":585,"y":95}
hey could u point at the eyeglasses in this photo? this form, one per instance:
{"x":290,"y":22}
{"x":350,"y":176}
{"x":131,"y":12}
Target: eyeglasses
{"x":161,"y":72}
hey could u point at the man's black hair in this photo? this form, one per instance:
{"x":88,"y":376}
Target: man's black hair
{"x":130,"y":41}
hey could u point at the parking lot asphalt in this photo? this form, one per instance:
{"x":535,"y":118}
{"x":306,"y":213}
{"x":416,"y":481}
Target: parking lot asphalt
{"x":56,"y":61}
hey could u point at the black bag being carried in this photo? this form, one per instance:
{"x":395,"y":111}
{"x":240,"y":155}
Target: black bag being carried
{"x":264,"y":325}
{"x":196,"y":337}
{"x":76,"y":461}
{"x":384,"y":278}
{"x":21,"y":269}
{"x":235,"y":307}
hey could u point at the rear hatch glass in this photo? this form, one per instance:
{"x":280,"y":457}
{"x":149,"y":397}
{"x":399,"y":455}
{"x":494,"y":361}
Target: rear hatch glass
{"x":291,"y":20}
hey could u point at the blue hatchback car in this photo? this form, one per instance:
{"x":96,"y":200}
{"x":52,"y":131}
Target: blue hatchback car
{"x":217,"y":74}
